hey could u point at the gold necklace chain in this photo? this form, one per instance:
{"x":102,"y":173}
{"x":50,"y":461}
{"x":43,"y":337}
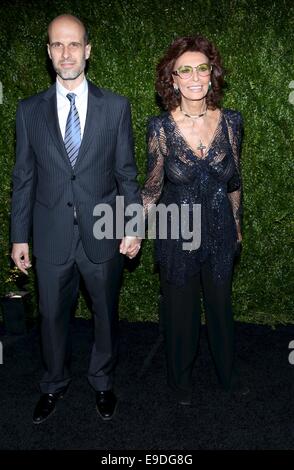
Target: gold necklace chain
{"x":196,"y":116}
{"x":201,"y":147}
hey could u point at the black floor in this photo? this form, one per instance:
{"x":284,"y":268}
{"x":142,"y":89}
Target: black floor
{"x":147,"y":416}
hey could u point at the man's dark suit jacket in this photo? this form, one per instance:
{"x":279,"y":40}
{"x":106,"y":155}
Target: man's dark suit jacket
{"x":46,"y":188}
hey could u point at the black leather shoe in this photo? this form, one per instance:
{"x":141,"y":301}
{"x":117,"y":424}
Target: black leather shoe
{"x":46,"y":405}
{"x":182,"y":397}
{"x":185,"y":402}
{"x":106,"y":403}
{"x":239,"y":388}
{"x":241,"y":391}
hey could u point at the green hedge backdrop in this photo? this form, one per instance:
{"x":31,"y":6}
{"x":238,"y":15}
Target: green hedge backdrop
{"x":128,"y":37}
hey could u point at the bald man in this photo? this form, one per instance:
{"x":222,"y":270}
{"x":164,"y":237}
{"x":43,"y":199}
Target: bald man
{"x":74,"y":151}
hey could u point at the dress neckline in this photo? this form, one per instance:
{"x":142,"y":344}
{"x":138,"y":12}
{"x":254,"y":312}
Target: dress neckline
{"x":177,"y":129}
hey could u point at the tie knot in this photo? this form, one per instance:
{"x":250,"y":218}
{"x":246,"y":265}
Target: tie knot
{"x":71,"y":97}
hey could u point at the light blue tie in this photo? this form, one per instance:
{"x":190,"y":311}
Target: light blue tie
{"x":72,"y":137}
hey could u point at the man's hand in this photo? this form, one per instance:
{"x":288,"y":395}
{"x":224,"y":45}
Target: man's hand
{"x":130,"y":246}
{"x":20,"y":256}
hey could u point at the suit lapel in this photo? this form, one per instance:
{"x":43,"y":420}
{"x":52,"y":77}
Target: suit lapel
{"x":94,"y":109}
{"x":51,"y":116}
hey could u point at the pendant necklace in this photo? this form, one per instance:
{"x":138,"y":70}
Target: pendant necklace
{"x":200,"y":147}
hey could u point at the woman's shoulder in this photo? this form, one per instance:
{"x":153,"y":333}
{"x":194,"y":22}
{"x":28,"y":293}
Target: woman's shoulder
{"x":156,"y":122}
{"x":233,"y":116}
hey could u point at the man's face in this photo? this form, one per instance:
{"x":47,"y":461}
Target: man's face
{"x":67,"y":49}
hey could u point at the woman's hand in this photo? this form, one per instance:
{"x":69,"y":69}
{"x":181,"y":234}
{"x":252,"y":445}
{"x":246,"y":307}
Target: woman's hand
{"x":130,"y":246}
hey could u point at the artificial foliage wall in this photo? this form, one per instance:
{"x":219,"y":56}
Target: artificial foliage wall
{"x":256,"y":40}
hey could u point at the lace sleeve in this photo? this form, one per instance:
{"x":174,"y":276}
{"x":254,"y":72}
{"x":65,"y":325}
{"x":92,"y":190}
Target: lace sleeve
{"x":235,"y":184}
{"x":155,"y":170}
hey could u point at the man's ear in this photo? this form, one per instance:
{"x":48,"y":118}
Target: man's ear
{"x":88,"y":51}
{"x":48,"y":50}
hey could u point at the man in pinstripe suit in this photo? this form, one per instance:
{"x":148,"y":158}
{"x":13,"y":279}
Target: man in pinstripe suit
{"x":55,"y":190}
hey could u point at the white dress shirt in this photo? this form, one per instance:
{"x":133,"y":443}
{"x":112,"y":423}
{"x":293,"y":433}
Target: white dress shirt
{"x":63,"y":104}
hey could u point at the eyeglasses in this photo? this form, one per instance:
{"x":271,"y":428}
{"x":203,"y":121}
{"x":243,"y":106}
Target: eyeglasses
{"x":186,"y":71}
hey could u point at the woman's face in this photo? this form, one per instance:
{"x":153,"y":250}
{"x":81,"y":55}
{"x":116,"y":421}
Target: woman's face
{"x":193,"y":85}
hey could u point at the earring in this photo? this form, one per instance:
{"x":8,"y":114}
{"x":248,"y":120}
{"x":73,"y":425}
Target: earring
{"x":176,"y":90}
{"x":209,"y":86}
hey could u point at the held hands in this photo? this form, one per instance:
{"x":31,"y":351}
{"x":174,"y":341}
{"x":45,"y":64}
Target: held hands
{"x":20,"y":256}
{"x":130,"y":246}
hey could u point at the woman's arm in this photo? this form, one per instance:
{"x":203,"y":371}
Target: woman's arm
{"x":235,"y":184}
{"x":153,"y":185}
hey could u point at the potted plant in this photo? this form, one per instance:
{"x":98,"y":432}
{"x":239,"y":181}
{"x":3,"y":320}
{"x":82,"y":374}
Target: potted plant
{"x":17,"y":291}
{"x":14,"y":303}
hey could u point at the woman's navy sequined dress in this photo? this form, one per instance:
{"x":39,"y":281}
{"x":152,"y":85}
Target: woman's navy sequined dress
{"x":176,"y":175}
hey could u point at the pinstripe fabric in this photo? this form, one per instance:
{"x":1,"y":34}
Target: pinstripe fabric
{"x":51,"y":178}
{"x":72,"y":137}
{"x":45,"y":186}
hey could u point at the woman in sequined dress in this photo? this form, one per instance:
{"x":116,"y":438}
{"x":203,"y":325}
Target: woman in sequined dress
{"x":193,"y":158}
